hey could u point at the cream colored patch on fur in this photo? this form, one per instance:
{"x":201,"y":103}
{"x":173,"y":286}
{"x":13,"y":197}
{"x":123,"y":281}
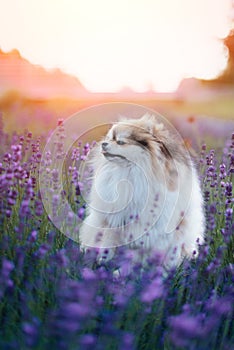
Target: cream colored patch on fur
{"x":171,"y":176}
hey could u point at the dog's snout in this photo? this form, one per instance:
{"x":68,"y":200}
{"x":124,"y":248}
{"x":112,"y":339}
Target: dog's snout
{"x":104,"y":145}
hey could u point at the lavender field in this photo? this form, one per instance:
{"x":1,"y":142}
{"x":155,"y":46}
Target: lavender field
{"x":51,"y":298}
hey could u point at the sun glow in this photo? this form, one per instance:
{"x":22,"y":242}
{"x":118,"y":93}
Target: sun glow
{"x":109,"y":44}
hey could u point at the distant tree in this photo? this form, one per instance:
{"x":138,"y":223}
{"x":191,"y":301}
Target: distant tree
{"x":228,"y":75}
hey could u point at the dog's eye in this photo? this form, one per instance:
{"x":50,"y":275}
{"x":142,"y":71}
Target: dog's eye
{"x":119,"y":142}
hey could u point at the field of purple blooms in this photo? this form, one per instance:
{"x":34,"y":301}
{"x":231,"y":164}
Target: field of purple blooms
{"x":50,"y":298}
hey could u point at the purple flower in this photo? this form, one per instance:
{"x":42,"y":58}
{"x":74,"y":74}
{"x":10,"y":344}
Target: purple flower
{"x":210,"y":158}
{"x":185,"y":328}
{"x":207,"y":196}
{"x":81,"y":213}
{"x":75,"y":310}
{"x":16,"y":153}
{"x":228,"y":190}
{"x":25,"y":209}
{"x":228,"y":214}
{"x":31,"y":333}
{"x":39,"y":209}
{"x":5,"y":280}
{"x":88,"y":341}
{"x":231,"y":166}
{"x":213,"y":209}
{"x":33,"y":236}
{"x":127,"y":342}
{"x":55,"y":175}
{"x":153,"y":291}
{"x":220,"y":307}
{"x":43,"y":250}
{"x":89,"y":274}
{"x":86,"y":149}
{"x":7,"y":267}
{"x":222,"y":169}
{"x":61,"y":258}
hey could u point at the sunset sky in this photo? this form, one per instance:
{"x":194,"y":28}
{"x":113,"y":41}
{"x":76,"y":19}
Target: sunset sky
{"x":109,"y":44}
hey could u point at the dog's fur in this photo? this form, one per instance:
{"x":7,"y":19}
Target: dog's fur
{"x":145,"y":194}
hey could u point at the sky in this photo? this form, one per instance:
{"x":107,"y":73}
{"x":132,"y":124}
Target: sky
{"x":111,"y":44}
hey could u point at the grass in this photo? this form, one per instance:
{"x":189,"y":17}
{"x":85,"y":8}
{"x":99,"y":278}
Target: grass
{"x":39,"y":115}
{"x":221,"y":107}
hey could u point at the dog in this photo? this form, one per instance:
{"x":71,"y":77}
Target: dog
{"x":145,"y":195}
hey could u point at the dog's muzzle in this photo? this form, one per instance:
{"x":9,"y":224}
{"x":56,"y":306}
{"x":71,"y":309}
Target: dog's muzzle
{"x":109,"y":155}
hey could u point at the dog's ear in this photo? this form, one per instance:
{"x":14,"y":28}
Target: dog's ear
{"x":151,"y":124}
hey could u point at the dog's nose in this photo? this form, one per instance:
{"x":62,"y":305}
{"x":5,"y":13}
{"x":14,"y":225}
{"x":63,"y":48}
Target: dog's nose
{"x":104,"y":145}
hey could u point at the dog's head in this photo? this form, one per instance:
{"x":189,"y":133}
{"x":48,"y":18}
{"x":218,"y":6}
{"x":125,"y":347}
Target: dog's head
{"x":130,"y":139}
{"x":144,"y":142}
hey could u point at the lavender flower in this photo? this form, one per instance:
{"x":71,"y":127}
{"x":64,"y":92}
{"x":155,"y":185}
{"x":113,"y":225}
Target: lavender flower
{"x":185,"y":328}
{"x":153,"y":291}
{"x":55,"y":296}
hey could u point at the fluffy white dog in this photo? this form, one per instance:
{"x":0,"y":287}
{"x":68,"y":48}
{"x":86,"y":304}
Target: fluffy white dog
{"x":145,"y":194}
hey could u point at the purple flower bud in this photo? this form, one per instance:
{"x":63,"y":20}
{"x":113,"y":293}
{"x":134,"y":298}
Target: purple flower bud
{"x":222,"y":169}
{"x":153,"y":291}
{"x":7,"y":267}
{"x":33,"y":236}
{"x":29,"y":329}
{"x":61,"y":258}
{"x":228,"y":213}
{"x":228,"y":189}
{"x":8,"y":213}
{"x":39,"y":209}
{"x":207,"y":196}
{"x":9,"y":174}
{"x":88,"y":340}
{"x":55,"y":175}
{"x":43,"y":250}
{"x":127,"y":342}
{"x":184,"y":328}
{"x":77,"y":310}
{"x":212,"y":208}
{"x":81,"y":213}
{"x":88,"y":274}
{"x":7,"y":157}
{"x":11,"y":201}
{"x":31,"y":333}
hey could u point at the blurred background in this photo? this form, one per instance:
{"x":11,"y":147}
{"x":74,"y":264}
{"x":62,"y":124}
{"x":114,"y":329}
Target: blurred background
{"x":176,"y":57}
